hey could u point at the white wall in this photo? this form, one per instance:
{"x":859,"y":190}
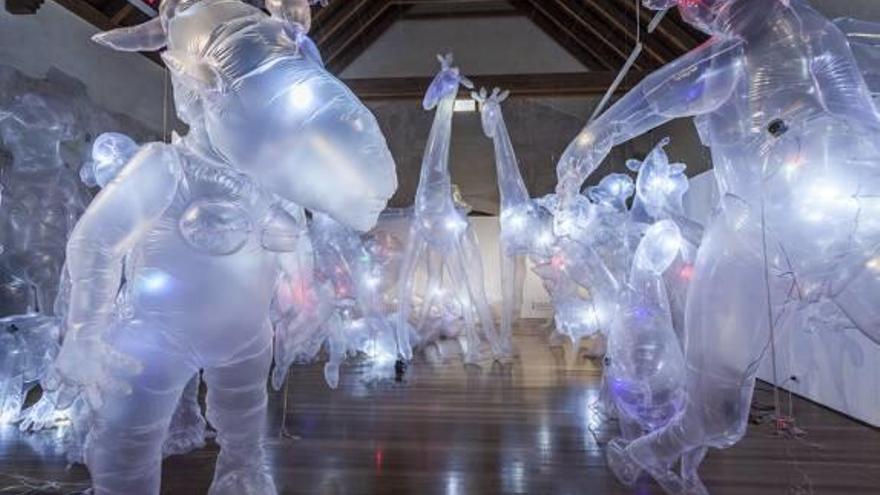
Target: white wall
{"x":503,"y":45}
{"x":840,"y":369}
{"x":125,"y":83}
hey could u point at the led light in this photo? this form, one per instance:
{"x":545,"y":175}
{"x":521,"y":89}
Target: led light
{"x":301,"y":97}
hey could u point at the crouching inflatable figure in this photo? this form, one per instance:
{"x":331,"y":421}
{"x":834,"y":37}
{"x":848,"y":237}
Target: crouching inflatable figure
{"x":201,"y":226}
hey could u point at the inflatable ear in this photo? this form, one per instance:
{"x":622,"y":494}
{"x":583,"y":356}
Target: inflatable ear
{"x":195,"y":74}
{"x":633,"y":165}
{"x":147,"y":37}
{"x":292,"y":11}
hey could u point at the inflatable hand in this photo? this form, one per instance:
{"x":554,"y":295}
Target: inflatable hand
{"x":89,"y":366}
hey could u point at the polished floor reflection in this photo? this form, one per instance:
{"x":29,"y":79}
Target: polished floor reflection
{"x":528,"y":428}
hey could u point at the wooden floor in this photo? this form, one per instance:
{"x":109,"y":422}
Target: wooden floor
{"x":528,"y":428}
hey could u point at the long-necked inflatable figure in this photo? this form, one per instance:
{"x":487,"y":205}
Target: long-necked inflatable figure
{"x":517,"y":224}
{"x":204,"y":227}
{"x":779,"y":98}
{"x":441,"y":235}
{"x":582,"y":289}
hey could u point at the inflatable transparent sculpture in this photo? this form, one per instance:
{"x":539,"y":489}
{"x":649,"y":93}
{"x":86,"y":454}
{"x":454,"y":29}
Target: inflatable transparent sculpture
{"x":42,"y":201}
{"x":441,"y":236}
{"x":204,"y":225}
{"x":354,"y":273}
{"x":778,"y":96}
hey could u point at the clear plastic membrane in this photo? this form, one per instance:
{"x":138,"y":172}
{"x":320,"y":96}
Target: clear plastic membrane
{"x":779,"y":97}
{"x":184,"y":259}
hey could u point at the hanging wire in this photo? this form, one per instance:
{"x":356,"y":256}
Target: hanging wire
{"x":165,"y":77}
{"x":633,"y":56}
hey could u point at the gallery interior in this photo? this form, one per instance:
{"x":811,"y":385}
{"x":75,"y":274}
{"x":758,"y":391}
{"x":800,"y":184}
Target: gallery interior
{"x":458,"y":247}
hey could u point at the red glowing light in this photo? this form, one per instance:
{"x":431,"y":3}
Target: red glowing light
{"x":686,"y":272}
{"x":558,"y":261}
{"x":380,"y":458}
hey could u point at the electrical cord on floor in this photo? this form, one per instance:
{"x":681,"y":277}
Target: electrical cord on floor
{"x":25,"y":485}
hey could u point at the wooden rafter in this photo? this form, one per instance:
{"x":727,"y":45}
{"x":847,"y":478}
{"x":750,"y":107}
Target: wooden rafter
{"x":624,"y":27}
{"x":360,"y":33}
{"x":598,"y":33}
{"x":563,"y":34}
{"x":520,"y":85}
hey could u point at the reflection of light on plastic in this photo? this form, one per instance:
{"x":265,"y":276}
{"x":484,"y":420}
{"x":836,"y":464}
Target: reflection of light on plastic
{"x":453,"y":484}
{"x":824,"y":200}
{"x":792,"y":166}
{"x":301,"y":96}
{"x":155,"y":281}
{"x":545,"y":442}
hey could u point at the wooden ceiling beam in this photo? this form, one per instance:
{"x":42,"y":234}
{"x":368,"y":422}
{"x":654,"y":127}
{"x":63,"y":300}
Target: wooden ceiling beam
{"x":375,"y":21}
{"x":606,"y":12}
{"x":98,"y":19}
{"x":562,"y":35}
{"x":598,"y":30}
{"x":681,"y":38}
{"x":577,"y":84}
{"x":322,"y":34}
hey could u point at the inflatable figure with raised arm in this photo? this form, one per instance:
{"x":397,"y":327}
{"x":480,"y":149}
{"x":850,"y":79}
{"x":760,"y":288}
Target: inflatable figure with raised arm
{"x":441,"y":233}
{"x":779,"y":98}
{"x":204,"y":225}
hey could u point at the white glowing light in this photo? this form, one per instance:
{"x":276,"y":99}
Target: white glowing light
{"x":155,"y":281}
{"x":585,"y":139}
{"x":545,"y":239}
{"x":516,"y":221}
{"x":591,"y":315}
{"x":661,"y":184}
{"x":301,"y":97}
{"x":373,"y":281}
{"x":873,"y":264}
{"x":455,"y":224}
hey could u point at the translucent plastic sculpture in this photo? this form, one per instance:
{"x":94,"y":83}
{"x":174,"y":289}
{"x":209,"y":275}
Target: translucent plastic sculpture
{"x":441,"y":236}
{"x":645,"y":362}
{"x":42,"y":201}
{"x":516,"y":229}
{"x":358,"y":322}
{"x":28,"y":345}
{"x":204,"y":225}
{"x":779,"y":98}
{"x":581,"y":288}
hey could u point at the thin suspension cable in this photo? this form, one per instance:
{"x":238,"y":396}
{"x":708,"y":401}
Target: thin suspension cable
{"x":637,"y":50}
